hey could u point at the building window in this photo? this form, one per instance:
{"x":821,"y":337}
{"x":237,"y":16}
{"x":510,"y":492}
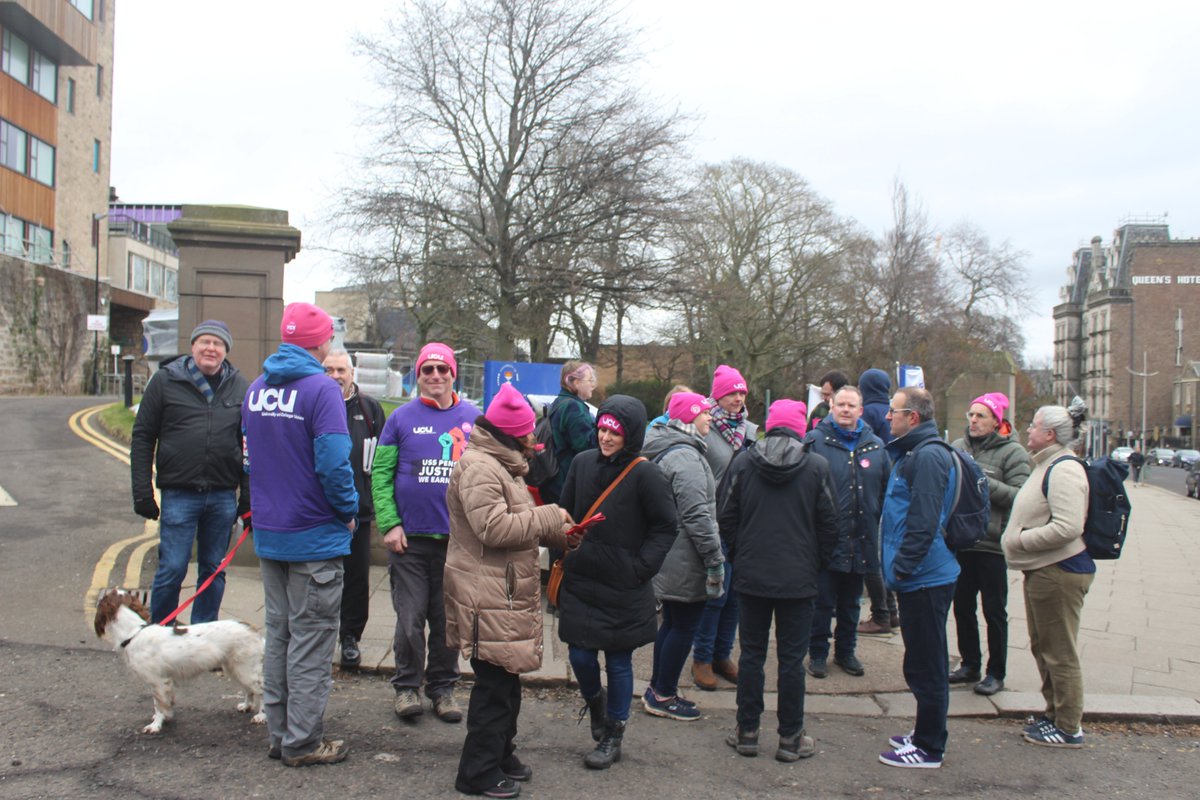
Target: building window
{"x":99,"y":80}
{"x":12,"y":234}
{"x":71,"y":95}
{"x":14,"y":56}
{"x":156,"y":278}
{"x":138,"y":273}
{"x":171,"y":285}
{"x":83,"y":6}
{"x":12,"y":147}
{"x":96,"y":156}
{"x":44,"y":79}
{"x":66,"y":251}
{"x":41,"y":161}
{"x":41,"y":243}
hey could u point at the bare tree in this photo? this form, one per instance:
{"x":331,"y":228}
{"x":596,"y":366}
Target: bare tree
{"x":511,"y":128}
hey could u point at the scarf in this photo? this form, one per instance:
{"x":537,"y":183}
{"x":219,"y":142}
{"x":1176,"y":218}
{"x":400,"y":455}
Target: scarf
{"x":730,"y":426}
{"x":849,"y":437}
{"x":201,"y":380}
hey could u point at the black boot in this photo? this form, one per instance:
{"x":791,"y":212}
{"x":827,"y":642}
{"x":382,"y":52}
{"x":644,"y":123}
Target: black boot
{"x":608,"y":752}
{"x":597,"y":708}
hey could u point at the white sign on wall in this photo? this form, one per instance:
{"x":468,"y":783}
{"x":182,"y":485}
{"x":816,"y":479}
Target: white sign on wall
{"x":97,"y":322}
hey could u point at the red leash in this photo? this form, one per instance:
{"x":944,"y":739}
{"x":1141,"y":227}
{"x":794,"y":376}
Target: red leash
{"x":216,"y":572}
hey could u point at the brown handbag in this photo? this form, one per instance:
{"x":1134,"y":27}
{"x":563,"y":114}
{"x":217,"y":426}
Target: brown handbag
{"x":554,"y":583}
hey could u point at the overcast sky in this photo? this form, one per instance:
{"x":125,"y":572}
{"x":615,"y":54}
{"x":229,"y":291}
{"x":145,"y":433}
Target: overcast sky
{"x":1042,"y":123}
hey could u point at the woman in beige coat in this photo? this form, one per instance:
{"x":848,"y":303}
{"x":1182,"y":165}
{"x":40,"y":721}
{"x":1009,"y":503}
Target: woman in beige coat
{"x":493,"y":587}
{"x":1044,"y":539}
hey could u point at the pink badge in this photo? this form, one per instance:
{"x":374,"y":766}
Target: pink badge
{"x":864,"y":463}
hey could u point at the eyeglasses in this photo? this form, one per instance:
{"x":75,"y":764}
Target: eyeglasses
{"x":893,"y":411}
{"x":429,"y":369}
{"x":976,"y":415}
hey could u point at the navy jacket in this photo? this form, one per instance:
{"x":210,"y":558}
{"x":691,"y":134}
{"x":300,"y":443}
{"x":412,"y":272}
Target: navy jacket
{"x":875,"y":386}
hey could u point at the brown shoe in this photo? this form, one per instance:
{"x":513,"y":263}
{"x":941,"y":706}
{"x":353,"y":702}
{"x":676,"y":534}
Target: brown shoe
{"x":726,"y":668}
{"x":329,"y":751}
{"x":702,"y":674}
{"x":872,"y":628}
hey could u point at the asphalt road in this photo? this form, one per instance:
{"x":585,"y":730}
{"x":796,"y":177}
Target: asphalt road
{"x":70,"y":713}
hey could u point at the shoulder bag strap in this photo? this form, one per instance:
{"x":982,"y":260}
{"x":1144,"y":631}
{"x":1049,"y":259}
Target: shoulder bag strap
{"x":629,"y":467}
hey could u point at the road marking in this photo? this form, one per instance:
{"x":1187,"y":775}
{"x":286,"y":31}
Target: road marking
{"x":133,"y":569}
{"x":6,"y":499}
{"x":80,"y":425}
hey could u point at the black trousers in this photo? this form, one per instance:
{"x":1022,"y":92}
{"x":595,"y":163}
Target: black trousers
{"x":793,"y":628}
{"x":356,"y":589}
{"x":985,"y":574}
{"x":491,"y":727}
{"x":926,"y":670}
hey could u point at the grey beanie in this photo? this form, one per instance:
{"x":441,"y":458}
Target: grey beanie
{"x":214,"y":327}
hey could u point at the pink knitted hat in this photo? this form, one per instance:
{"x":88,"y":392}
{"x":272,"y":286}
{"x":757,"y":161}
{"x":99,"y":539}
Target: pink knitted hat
{"x":996,"y":402}
{"x":686,"y":406}
{"x":786,"y":413}
{"x":305,"y":325}
{"x":509,"y":412}
{"x":436,"y":351}
{"x":727,"y":380}
{"x":609,"y":422}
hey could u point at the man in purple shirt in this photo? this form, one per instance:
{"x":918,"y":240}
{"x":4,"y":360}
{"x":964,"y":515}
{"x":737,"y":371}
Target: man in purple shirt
{"x":298,"y":458}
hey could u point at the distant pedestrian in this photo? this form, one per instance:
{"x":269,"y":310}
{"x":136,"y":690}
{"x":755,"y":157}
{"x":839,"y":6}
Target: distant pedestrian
{"x":493,"y":587}
{"x":1044,"y":539}
{"x":305,"y":510}
{"x":572,"y":425}
{"x":778,"y":511}
{"x":984,"y":573}
{"x":830,"y":383}
{"x":1138,"y":462}
{"x":921,"y":569}
{"x":188,"y":426}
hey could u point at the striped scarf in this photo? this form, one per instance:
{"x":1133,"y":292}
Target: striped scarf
{"x":198,"y":378}
{"x":730,"y":426}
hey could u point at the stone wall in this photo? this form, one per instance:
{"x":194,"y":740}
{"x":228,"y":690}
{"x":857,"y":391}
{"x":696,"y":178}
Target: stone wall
{"x":45,"y":347}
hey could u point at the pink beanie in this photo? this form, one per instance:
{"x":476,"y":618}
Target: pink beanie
{"x":436,"y":351}
{"x":727,"y":380}
{"x":509,"y":412}
{"x":686,"y":406}
{"x":786,"y":413}
{"x":305,"y":325}
{"x":609,"y":422}
{"x":996,"y":402}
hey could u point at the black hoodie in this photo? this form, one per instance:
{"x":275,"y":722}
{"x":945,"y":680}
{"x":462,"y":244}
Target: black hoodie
{"x":606,"y":601}
{"x":778,"y":512}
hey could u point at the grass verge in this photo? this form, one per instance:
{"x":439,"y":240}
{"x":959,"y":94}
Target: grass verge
{"x":117,"y":422}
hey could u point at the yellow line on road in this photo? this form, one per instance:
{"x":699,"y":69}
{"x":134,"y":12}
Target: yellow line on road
{"x":80,"y":425}
{"x":133,"y":568}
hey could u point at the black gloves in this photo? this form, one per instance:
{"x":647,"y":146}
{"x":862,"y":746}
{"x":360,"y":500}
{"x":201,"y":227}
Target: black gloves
{"x":146,"y":507}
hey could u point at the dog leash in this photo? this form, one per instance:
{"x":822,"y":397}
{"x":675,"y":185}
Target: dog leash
{"x":208,"y":581}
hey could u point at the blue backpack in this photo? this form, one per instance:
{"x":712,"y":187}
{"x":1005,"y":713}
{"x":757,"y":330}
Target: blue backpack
{"x":969,"y":512}
{"x":1108,"y":507}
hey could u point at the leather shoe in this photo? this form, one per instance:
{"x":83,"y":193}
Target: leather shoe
{"x":850,"y":665}
{"x":726,"y":668}
{"x":989,"y":686}
{"x":872,"y":628}
{"x":351,"y":655}
{"x":703,"y":676}
{"x":817,"y":668}
{"x":964,"y":674}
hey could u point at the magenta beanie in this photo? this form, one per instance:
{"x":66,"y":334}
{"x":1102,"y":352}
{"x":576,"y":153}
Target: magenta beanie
{"x":509,"y":412}
{"x":786,"y":413}
{"x":727,"y":380}
{"x":609,"y":422}
{"x":305,"y":325}
{"x":436,"y":351}
{"x":686,"y":406}
{"x":996,"y":402}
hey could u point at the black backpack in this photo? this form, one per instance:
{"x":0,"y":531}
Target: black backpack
{"x":1108,"y":506}
{"x":544,"y":465}
{"x":970,"y":510}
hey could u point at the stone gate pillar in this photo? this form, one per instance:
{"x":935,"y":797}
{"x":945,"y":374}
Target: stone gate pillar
{"x":231,"y":261}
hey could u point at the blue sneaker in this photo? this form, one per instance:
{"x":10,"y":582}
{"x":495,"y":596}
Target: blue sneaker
{"x":900,"y":742}
{"x":1053,"y":736}
{"x":910,"y":757}
{"x":1034,"y":724}
{"x":668,"y":707}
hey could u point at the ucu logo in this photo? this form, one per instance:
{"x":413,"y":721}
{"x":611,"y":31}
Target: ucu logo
{"x":419,"y":429}
{"x":272,"y":400}
{"x":739,"y":387}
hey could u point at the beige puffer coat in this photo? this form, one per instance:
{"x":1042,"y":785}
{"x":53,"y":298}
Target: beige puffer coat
{"x":492,"y":580}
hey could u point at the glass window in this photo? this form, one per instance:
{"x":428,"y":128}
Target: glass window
{"x":41,"y":244}
{"x":12,"y":147}
{"x":12,"y":231}
{"x":171,"y":285}
{"x":45,"y":77}
{"x":156,"y":278}
{"x":71,"y":95}
{"x":84,"y":7}
{"x":137,"y":272}
{"x":41,"y":161}
{"x":95,"y":155}
{"x":14,"y":56}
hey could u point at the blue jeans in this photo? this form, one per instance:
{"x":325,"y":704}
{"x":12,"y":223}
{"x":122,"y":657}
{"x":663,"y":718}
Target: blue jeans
{"x":926,"y":662}
{"x":619,"y":666}
{"x":838,"y":594}
{"x":718,"y":624}
{"x":673,"y":644}
{"x":205,"y":518}
{"x":793,"y":621}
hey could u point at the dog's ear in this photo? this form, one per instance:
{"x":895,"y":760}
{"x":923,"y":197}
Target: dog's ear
{"x":106,"y":611}
{"x":136,"y":606}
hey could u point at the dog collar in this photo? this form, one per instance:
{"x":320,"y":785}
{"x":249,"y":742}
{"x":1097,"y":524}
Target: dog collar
{"x":135,"y":633}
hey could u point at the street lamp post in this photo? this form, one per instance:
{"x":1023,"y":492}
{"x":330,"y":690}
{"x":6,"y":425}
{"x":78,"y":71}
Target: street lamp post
{"x":96,"y":308}
{"x":1143,"y":375}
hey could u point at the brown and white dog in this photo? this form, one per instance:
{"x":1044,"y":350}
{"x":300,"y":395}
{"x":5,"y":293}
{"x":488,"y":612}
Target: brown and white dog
{"x":161,"y":656}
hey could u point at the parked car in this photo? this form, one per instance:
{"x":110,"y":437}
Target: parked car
{"x":1185,"y":458}
{"x":1162,"y":456}
{"x":1192,"y":477}
{"x":1122,"y":454}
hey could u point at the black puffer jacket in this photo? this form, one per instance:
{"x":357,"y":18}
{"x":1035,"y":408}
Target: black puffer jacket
{"x":199,"y":445}
{"x":778,"y":513}
{"x":365,"y":418}
{"x":606,"y":601}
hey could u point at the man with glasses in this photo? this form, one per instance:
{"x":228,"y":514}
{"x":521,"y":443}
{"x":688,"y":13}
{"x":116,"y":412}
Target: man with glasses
{"x":921,"y":569}
{"x":418,"y":448}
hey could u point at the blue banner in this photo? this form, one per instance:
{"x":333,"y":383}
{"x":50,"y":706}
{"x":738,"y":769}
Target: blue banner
{"x":910,"y":375}
{"x":539,"y":382}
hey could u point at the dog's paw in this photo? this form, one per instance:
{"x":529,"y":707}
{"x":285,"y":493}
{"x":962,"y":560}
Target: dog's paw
{"x":260,"y":718}
{"x":153,"y":728}
{"x":244,"y":707}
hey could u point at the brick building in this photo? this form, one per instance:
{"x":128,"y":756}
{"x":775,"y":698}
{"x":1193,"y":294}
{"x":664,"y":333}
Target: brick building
{"x":1131,"y":307}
